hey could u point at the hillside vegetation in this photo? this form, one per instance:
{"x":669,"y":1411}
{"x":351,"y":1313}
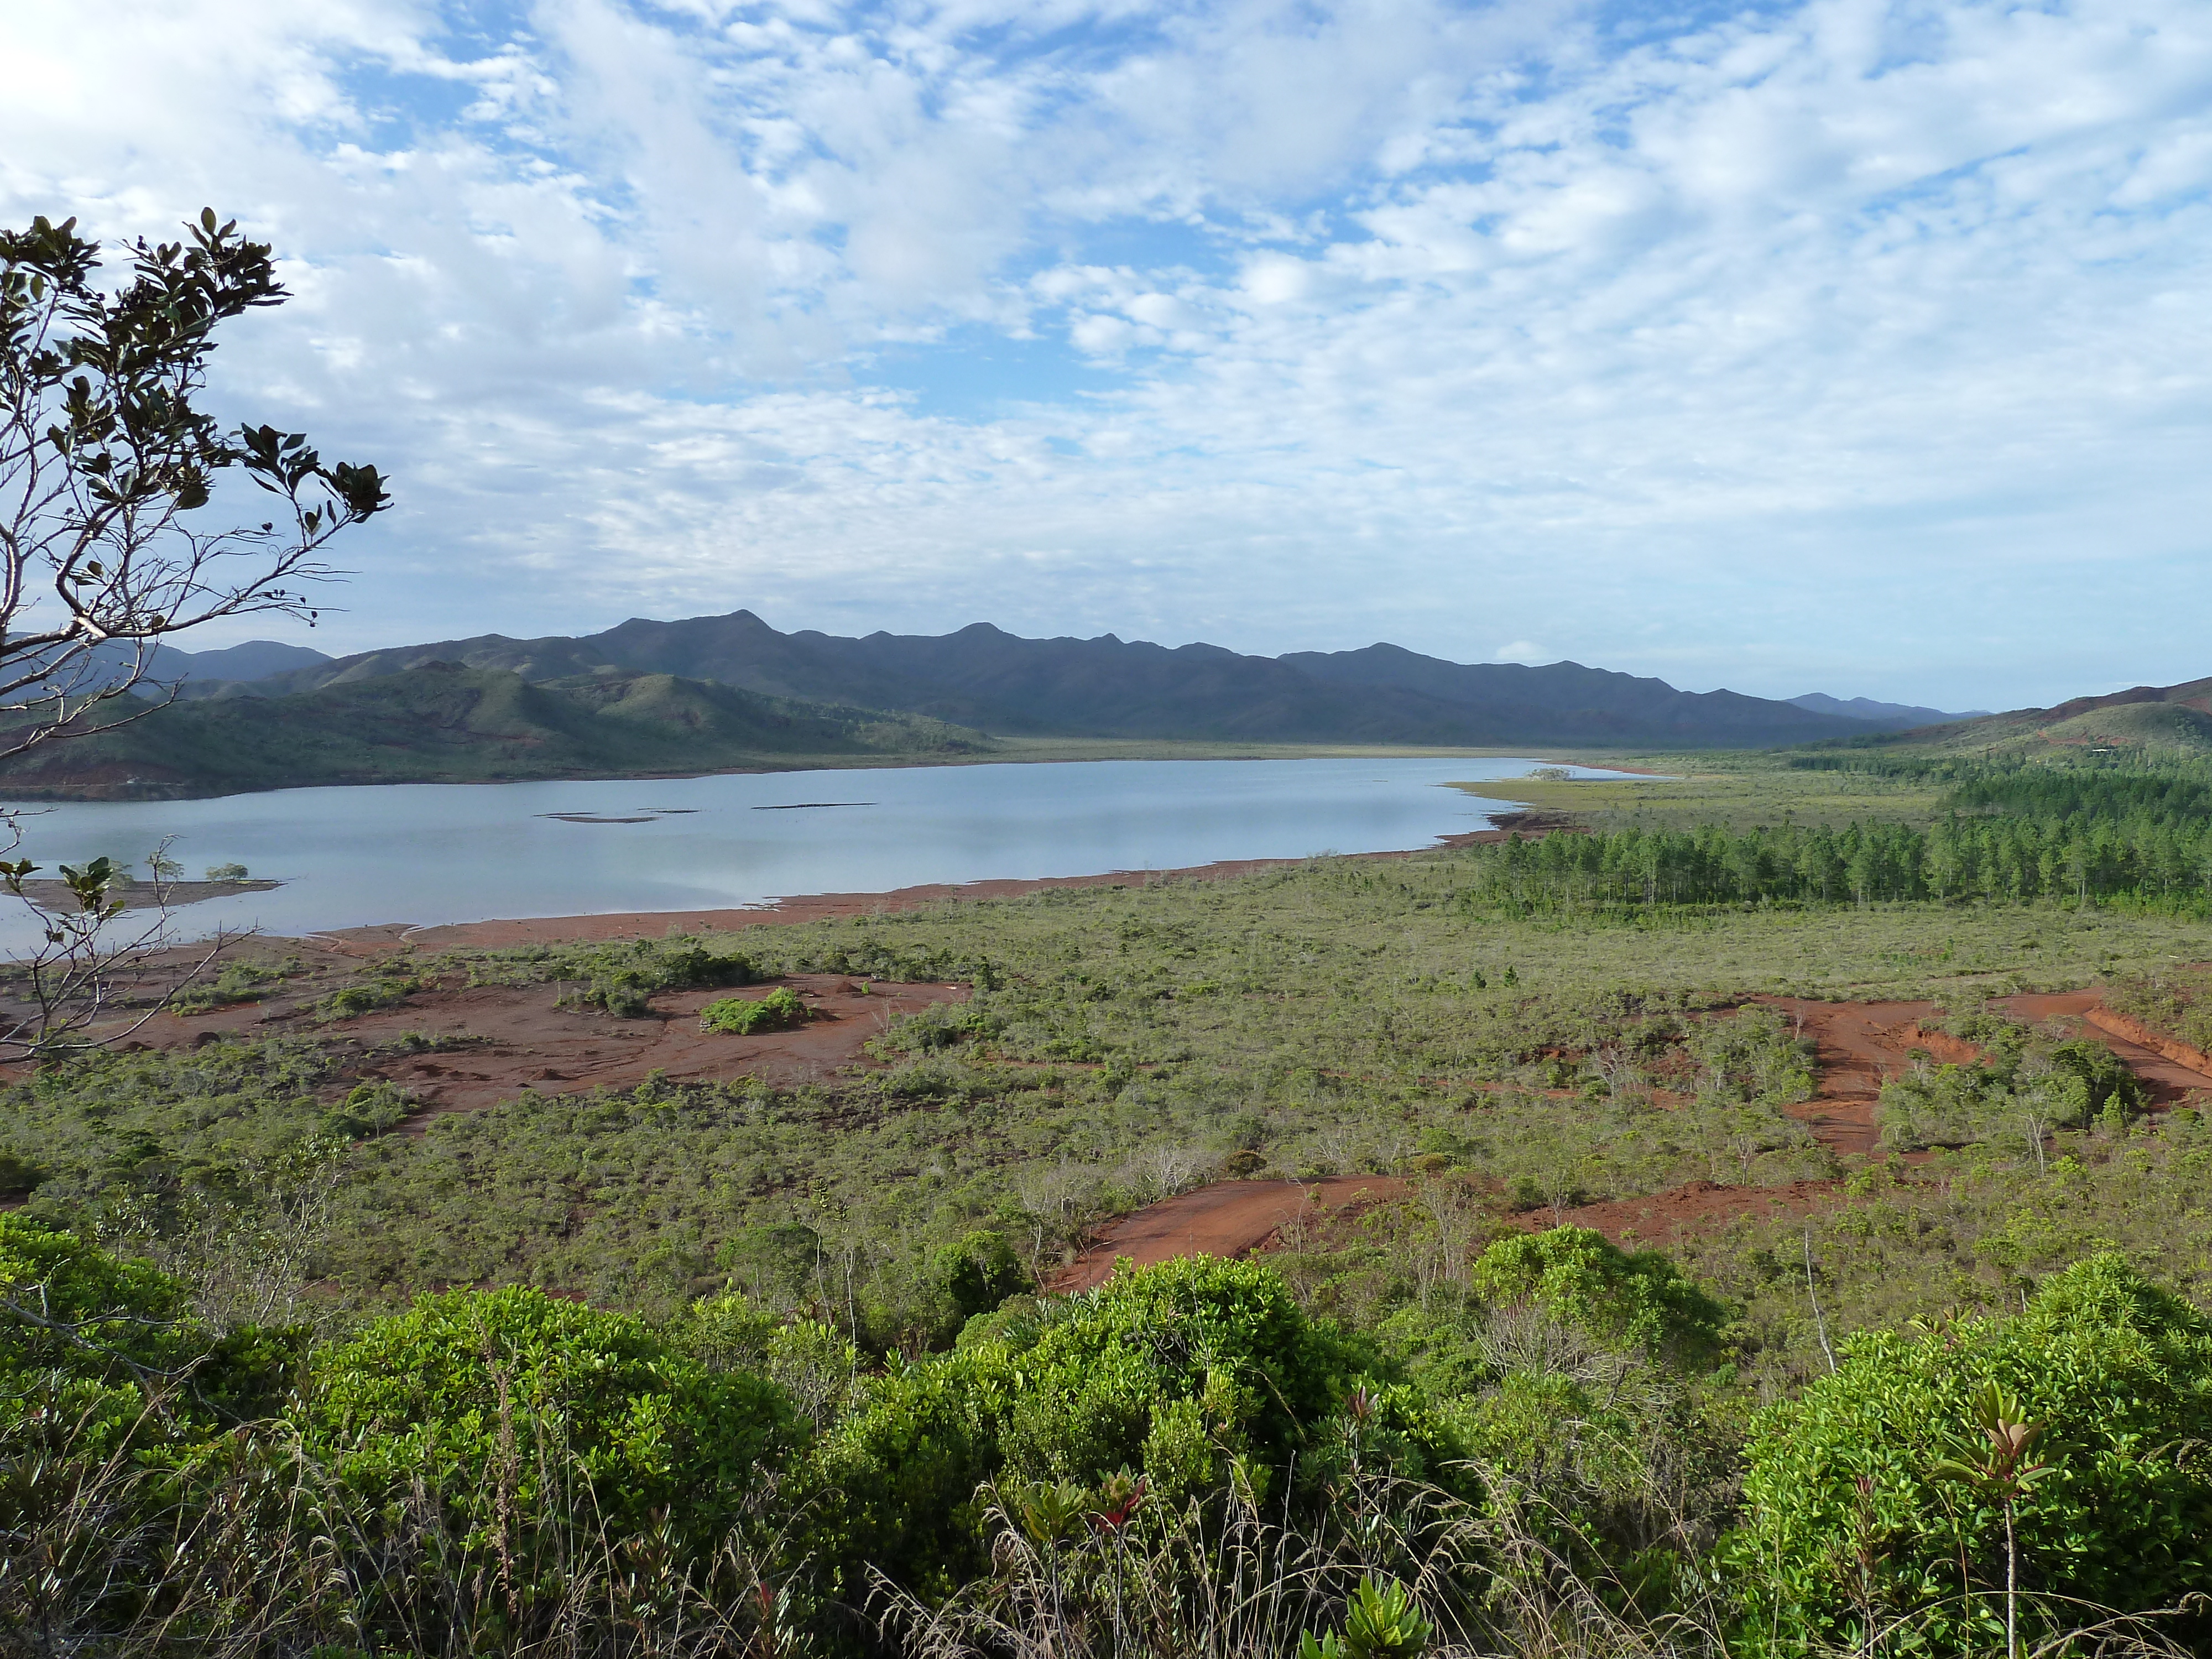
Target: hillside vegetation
{"x":441,"y":723}
{"x":2172,"y":720}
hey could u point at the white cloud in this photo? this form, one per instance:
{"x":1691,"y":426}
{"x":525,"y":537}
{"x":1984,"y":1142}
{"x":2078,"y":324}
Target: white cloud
{"x":1855,"y":343}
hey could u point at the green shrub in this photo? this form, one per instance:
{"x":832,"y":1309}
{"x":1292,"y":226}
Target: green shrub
{"x":387,"y":992}
{"x":1381,"y":1621}
{"x":114,"y":1343}
{"x":238,"y":982}
{"x":623,"y":979}
{"x":936,"y":1028}
{"x":2117,"y":1376}
{"x":1613,"y":1298}
{"x":1174,"y":1371}
{"x":978,"y":1274}
{"x":2110,"y":1085}
{"x":780,"y":1009}
{"x":488,"y":1397}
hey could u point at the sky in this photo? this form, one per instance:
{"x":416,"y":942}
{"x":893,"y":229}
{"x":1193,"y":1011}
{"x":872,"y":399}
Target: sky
{"x":1846,"y":346}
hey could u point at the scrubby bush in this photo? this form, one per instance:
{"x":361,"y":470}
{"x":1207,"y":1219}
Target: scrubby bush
{"x":780,"y":1009}
{"x":111,"y":1347}
{"x":936,"y":1028}
{"x":386,"y":991}
{"x":1616,"y":1298}
{"x":2027,"y":1088}
{"x":238,"y":982}
{"x":1178,"y":1371}
{"x":623,"y":979}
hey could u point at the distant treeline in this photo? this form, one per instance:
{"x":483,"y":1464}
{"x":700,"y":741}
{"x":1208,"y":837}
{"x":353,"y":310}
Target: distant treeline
{"x":2010,"y":833}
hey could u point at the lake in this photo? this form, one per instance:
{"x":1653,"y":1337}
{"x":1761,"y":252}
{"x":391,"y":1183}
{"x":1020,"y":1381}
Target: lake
{"x":427,"y":853}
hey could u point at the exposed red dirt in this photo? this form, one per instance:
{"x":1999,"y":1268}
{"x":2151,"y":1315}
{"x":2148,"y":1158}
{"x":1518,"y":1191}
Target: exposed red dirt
{"x":2125,"y":1028}
{"x":1229,"y":1218}
{"x":1861,"y":1045}
{"x":2170,"y":1070}
{"x":1696,"y":1206}
{"x":500,"y":1041}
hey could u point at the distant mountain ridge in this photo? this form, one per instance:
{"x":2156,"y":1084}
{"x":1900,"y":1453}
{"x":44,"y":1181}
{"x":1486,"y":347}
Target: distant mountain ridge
{"x":983,"y":677}
{"x":1900,"y":715}
{"x":255,"y":659}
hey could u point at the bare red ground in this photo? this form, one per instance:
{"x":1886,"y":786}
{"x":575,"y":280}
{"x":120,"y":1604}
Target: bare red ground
{"x":1693,"y":1207}
{"x":2171,"y":1070}
{"x":1861,"y":1045}
{"x":1229,"y":1218}
{"x":517,"y":1042}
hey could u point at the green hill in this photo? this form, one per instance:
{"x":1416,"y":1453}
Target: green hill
{"x":2157,"y":721}
{"x":441,"y":723}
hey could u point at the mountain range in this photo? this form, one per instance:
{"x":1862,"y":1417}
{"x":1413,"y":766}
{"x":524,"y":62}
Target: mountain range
{"x":983,"y":677}
{"x":731,"y":693}
{"x":1892,"y":716}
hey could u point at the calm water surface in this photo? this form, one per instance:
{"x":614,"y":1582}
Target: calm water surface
{"x":439,"y":853}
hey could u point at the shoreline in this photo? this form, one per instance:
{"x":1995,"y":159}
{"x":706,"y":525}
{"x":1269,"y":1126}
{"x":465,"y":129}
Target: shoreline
{"x":499,"y":932}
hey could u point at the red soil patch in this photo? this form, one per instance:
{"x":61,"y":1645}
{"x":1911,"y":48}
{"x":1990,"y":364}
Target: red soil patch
{"x":517,"y":1042}
{"x":1860,"y":1045}
{"x":2170,"y":1070}
{"x":1229,"y":1218}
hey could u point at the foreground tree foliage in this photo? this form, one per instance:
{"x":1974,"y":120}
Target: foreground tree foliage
{"x":109,"y":470}
{"x":105,"y":459}
{"x":1183,"y":1461}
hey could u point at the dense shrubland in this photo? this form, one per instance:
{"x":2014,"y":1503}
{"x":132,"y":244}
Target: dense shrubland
{"x":1548,"y":1450}
{"x":2028,"y":1085}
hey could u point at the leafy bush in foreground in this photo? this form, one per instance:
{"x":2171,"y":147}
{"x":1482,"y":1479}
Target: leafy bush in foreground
{"x":509,"y":1472}
{"x":1858,"y":1513}
{"x":114,"y":1345}
{"x":1179,"y":1371}
{"x":476,"y":1395}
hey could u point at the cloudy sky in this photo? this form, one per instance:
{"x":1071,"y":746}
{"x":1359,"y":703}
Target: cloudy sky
{"x":1851,"y":346}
